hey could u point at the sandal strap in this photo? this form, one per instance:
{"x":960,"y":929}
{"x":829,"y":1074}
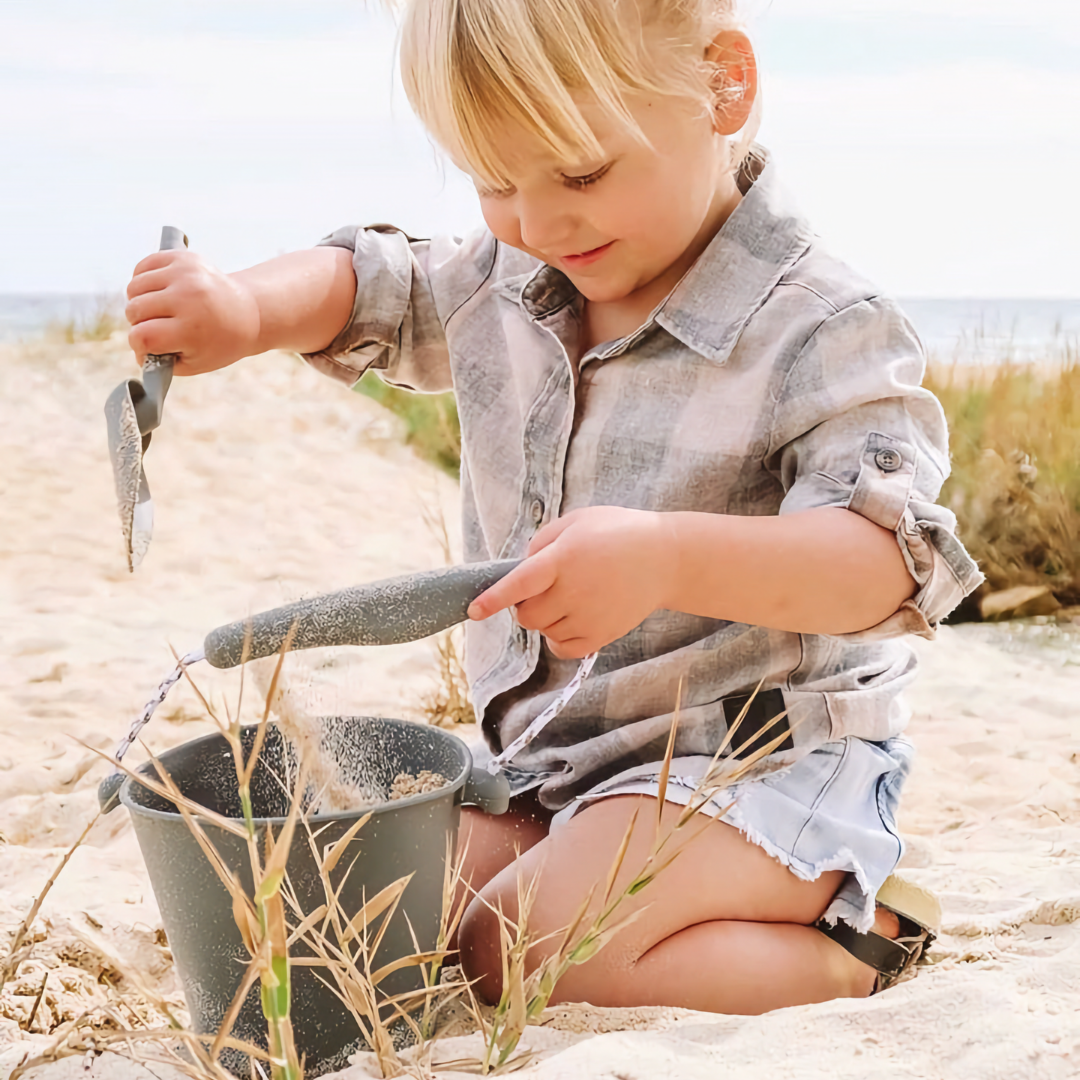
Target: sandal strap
{"x":884,"y":955}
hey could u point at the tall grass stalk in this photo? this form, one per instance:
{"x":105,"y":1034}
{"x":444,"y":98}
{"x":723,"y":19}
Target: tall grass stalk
{"x":455,"y":900}
{"x":447,"y":704}
{"x":267,"y":937}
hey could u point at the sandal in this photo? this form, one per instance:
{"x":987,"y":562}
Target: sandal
{"x":919,"y":913}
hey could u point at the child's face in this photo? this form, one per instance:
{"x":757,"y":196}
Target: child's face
{"x":617,"y":224}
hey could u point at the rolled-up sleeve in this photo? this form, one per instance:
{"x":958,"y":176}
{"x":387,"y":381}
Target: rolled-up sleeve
{"x":854,"y":428}
{"x":405,"y":293}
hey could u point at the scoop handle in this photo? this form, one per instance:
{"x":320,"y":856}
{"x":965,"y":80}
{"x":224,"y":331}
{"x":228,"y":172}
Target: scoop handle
{"x":157,"y":369}
{"x":386,"y":612}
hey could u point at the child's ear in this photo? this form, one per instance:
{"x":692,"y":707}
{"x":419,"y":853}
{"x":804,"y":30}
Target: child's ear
{"x":734,"y":82}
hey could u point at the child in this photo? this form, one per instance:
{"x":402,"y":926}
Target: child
{"x":708,"y":435}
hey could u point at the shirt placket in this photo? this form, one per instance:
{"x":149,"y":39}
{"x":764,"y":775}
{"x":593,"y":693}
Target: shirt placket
{"x":546,"y":439}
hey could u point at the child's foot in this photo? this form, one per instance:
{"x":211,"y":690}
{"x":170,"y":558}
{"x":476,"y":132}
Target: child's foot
{"x":905,"y":923}
{"x":865,"y":978}
{"x":886,"y":923}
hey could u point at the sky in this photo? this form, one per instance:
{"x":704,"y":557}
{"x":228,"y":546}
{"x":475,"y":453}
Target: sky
{"x":934,"y":144}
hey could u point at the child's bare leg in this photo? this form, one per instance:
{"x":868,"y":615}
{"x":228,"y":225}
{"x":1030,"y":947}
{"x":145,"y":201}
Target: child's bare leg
{"x":727,"y":930}
{"x":491,"y":843}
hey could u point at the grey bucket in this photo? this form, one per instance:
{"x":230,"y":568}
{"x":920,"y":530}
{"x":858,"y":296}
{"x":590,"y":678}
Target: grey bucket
{"x":404,"y":837}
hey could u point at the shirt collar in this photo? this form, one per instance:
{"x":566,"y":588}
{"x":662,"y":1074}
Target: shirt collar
{"x":539,"y":292}
{"x":709,"y":308}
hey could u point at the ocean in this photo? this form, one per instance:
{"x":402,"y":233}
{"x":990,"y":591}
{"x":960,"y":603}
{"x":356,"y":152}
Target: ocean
{"x":992,"y":330}
{"x":970,"y":330}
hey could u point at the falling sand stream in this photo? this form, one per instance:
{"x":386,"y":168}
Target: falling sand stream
{"x":332,"y":793}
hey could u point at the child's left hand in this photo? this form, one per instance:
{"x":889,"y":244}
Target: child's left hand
{"x":590,"y":577}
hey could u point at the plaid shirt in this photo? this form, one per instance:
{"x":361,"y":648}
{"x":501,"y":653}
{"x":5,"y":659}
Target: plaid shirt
{"x":772,"y":379}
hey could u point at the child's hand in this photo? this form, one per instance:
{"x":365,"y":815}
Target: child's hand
{"x":590,"y":578}
{"x":179,"y":304}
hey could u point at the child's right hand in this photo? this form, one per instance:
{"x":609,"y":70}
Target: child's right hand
{"x":177,"y":303}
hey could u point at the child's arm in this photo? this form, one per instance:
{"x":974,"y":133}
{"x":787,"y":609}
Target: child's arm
{"x":178,"y":303}
{"x":858,"y":548}
{"x":821,"y":571}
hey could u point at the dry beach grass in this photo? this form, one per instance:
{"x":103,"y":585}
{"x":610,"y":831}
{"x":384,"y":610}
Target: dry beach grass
{"x":248,"y":520}
{"x":1015,"y":488}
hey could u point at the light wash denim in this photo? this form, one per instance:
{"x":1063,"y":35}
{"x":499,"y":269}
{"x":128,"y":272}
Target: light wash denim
{"x":834,"y":809}
{"x":772,"y":379}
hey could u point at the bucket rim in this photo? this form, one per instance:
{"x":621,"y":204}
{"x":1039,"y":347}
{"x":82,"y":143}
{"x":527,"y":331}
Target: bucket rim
{"x":452,"y":787}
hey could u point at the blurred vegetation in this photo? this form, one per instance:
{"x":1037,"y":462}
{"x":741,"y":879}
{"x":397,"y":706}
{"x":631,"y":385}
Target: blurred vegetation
{"x":431,"y":421}
{"x":99,"y":325}
{"x":1015,"y":485}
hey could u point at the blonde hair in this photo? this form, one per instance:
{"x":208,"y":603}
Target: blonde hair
{"x":467,"y":64}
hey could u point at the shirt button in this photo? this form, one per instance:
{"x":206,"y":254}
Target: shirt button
{"x":888,"y":460}
{"x":537,"y":509}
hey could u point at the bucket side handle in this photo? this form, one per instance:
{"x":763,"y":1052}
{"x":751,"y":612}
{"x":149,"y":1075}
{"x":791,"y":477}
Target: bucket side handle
{"x":490,"y":793}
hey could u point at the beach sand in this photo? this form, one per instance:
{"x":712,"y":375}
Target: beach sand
{"x":272,"y":483}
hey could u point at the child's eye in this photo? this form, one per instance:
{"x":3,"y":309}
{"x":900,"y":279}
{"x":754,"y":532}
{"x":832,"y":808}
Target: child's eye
{"x":579,"y":183}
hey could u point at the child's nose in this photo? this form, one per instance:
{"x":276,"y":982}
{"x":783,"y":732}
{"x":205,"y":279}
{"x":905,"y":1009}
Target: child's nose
{"x":545,"y":225}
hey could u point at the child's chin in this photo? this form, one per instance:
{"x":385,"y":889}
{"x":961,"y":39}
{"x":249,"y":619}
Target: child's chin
{"x":602,"y":290}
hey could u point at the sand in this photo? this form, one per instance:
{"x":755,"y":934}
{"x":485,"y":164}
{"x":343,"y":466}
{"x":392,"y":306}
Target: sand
{"x":244,"y":522}
{"x":406,"y":785}
{"x":271,"y":483}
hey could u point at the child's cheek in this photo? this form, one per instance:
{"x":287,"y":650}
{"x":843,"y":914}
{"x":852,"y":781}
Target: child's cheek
{"x":501,"y":220}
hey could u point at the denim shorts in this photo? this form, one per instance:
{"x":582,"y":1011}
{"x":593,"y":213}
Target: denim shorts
{"x":834,"y":809}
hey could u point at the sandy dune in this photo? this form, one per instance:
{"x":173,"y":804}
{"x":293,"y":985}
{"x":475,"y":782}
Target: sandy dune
{"x":271,"y":483}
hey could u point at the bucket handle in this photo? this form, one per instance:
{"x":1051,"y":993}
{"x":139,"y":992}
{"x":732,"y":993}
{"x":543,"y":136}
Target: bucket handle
{"x":490,"y":793}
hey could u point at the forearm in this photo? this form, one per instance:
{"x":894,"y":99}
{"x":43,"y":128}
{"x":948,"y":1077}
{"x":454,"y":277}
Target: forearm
{"x":304,"y":298}
{"x":823,"y":571}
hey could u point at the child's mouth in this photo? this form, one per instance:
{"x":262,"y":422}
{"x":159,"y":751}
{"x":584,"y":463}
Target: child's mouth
{"x":586,"y":257}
